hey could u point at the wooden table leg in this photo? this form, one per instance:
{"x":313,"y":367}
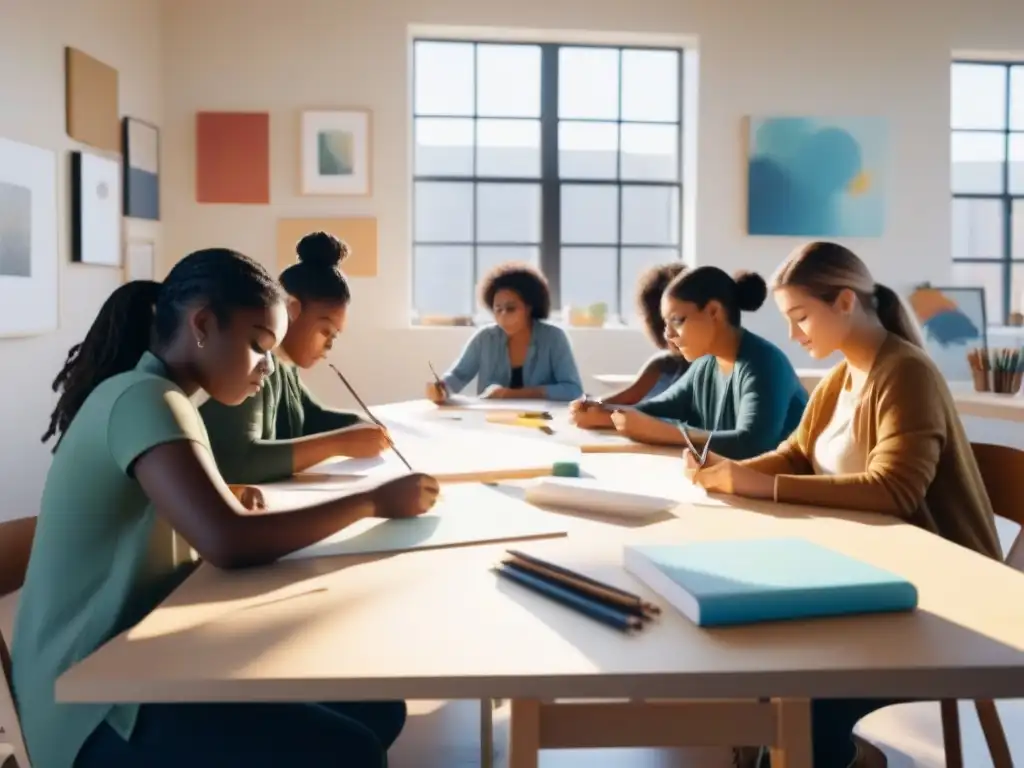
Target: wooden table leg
{"x":486,"y":733}
{"x":792,"y":748}
{"x":524,"y":734}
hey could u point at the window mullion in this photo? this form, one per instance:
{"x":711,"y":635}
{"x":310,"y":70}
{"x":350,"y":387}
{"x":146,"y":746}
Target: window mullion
{"x":551,"y":205}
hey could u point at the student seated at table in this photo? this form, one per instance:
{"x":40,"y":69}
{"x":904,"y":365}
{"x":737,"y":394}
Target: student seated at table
{"x":739,"y":386}
{"x":132,"y":472}
{"x":881,"y":433}
{"x":283,"y":429}
{"x":667,"y":366}
{"x":521,"y":356}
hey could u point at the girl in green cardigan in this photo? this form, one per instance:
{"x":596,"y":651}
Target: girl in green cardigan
{"x":739,"y":386}
{"x":283,"y":429}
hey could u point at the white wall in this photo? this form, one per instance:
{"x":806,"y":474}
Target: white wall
{"x":792,"y":56}
{"x":33,"y":33}
{"x":796,"y":57}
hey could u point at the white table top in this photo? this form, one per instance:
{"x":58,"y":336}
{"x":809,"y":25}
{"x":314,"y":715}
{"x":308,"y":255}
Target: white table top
{"x":438,"y":625}
{"x":423,"y":412}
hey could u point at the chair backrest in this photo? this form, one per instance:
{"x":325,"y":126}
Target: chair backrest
{"x":1002,"y":470}
{"x":15,"y":546}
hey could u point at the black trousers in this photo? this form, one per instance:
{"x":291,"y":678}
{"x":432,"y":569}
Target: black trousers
{"x":342,"y":735}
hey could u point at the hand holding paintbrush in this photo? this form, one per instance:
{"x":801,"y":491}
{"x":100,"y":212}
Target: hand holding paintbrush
{"x":372,"y":418}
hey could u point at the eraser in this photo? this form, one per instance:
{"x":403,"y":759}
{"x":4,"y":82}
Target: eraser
{"x":565,"y":469}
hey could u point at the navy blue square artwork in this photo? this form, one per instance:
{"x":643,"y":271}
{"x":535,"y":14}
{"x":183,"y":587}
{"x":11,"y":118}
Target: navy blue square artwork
{"x":141,"y":169}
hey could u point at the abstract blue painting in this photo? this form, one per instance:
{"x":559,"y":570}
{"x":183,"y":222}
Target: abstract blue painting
{"x":817,"y":177}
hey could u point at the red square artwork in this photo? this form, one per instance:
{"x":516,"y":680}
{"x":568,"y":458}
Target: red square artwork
{"x":233,"y":157}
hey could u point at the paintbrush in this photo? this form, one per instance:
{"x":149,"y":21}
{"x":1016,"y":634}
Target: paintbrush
{"x":373,"y":418}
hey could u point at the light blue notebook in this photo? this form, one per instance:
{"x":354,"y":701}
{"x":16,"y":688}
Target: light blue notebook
{"x":744,"y":581}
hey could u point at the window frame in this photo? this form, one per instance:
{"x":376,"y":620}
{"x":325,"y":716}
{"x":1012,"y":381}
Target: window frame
{"x":1006,"y":198}
{"x":550,"y":180}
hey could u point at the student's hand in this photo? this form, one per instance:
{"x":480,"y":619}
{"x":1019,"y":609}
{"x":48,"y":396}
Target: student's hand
{"x":633,"y":424}
{"x":592,"y":417}
{"x":406,"y":496}
{"x":730,"y":477}
{"x":579,"y":405}
{"x":249,"y":496}
{"x":494,"y":392}
{"x":363,"y":443}
{"x":437,"y":393}
{"x":691,"y":465}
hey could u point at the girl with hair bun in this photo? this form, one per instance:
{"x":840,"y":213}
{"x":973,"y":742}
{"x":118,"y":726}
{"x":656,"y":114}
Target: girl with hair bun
{"x":285,"y":429}
{"x":739,"y":385}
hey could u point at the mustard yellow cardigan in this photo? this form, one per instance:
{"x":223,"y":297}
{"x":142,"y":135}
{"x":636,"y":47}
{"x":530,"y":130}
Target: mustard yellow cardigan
{"x":919,"y":462}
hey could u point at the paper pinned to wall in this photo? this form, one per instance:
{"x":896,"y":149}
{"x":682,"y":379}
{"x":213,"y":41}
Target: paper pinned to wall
{"x":465,"y":514}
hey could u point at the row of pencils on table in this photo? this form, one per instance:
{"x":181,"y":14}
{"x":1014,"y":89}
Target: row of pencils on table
{"x":602,"y":602}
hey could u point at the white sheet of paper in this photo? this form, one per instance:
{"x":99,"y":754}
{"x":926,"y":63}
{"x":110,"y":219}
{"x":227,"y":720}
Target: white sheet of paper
{"x":648,"y":475}
{"x":465,"y":514}
{"x":455,"y":455}
{"x":459,"y":402}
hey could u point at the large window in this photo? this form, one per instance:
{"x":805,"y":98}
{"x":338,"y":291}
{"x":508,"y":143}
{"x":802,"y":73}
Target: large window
{"x":987,"y":120}
{"x":564,"y":156}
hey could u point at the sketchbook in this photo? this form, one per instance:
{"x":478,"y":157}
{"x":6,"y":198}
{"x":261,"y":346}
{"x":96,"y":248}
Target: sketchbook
{"x":464,"y":515}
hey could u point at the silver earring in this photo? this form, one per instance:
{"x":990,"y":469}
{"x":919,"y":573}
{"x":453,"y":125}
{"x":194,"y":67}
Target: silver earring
{"x":200,"y":343}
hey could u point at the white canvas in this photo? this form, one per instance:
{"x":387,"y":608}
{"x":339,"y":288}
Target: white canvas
{"x":335,"y":148}
{"x":100,"y":211}
{"x":29,"y":287}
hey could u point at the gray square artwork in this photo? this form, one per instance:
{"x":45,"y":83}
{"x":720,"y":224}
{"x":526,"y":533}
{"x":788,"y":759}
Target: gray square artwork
{"x":15,"y":230}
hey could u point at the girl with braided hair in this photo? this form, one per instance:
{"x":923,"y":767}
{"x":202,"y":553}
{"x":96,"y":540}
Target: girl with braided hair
{"x":132,"y":471}
{"x":284,"y":429}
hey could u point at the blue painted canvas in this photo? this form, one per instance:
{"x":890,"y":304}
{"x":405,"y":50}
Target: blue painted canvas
{"x":817,"y":177}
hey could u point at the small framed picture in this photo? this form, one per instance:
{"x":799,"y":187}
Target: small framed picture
{"x":95,"y":209}
{"x":141,"y":169}
{"x":335,"y":149}
{"x":140,"y":260}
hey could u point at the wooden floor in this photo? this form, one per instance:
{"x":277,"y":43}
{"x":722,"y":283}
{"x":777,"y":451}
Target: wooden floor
{"x":447,"y":735}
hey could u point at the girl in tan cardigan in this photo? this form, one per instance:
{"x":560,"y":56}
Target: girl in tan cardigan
{"x":880,"y":434}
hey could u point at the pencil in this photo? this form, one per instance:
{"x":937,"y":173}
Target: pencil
{"x":373,"y":418}
{"x":434,"y":372}
{"x":651,"y":607}
{"x":585,"y":605}
{"x":627,"y":604}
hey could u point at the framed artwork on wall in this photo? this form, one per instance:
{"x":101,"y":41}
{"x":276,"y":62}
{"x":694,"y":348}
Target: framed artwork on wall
{"x":335,"y":148}
{"x":95,"y":210}
{"x":91,"y":101}
{"x":141,"y":142}
{"x":953,"y":322}
{"x":817,"y":177}
{"x":29,"y":264}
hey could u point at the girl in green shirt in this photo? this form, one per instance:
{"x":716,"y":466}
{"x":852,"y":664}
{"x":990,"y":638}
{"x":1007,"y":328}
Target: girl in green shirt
{"x":132,"y":476}
{"x":284,"y":429}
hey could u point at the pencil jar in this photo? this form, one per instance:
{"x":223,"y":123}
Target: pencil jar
{"x":997,"y":370}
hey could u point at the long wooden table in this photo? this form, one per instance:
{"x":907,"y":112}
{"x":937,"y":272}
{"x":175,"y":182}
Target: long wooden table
{"x":439,"y":625}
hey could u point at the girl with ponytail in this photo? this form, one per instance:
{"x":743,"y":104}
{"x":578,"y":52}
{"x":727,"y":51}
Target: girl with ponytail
{"x":132,"y":476}
{"x":739,"y":385}
{"x":285,"y":429}
{"x":881,"y":432}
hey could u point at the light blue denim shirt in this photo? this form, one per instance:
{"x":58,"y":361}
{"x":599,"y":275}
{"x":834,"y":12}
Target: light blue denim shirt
{"x":549,"y":363}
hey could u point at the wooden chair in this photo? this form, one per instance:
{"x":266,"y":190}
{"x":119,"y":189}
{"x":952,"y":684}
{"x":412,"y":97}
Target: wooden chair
{"x":15,"y":545}
{"x":908,"y":733}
